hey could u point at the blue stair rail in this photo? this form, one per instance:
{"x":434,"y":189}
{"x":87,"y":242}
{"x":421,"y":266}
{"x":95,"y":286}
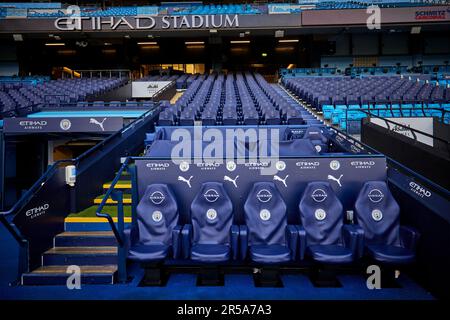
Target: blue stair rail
{"x":6,"y":216}
{"x":118,"y":230}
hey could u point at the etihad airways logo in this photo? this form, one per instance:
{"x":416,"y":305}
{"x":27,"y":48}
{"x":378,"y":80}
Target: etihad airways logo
{"x":419,"y":190}
{"x":37,"y":211}
{"x":32,"y":124}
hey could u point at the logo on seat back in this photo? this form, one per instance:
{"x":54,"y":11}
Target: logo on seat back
{"x":157,"y":216}
{"x":319,"y":195}
{"x":377,"y":215}
{"x":211,"y":214}
{"x":264,"y":195}
{"x":211,"y":195}
{"x":157,"y":197}
{"x":375,"y":195}
{"x":264,"y":214}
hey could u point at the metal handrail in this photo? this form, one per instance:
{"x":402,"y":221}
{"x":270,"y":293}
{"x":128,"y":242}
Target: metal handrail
{"x":108,"y":193}
{"x":370,"y":114}
{"x":50,"y":171}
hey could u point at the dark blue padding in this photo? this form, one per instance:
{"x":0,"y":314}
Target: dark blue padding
{"x":213,"y":239}
{"x":266,"y":235}
{"x":296,"y":148}
{"x":315,"y":134}
{"x":323,"y":233}
{"x":156,"y":234}
{"x":377,"y":212}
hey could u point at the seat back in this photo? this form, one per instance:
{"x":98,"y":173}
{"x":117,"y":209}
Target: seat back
{"x":377,"y":212}
{"x":157,"y":215}
{"x":265,"y":215}
{"x":321,"y":214}
{"x":212,"y":214}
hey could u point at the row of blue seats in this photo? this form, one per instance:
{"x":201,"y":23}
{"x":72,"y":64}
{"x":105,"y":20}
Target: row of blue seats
{"x":312,"y":142}
{"x":115,"y":104}
{"x":267,"y":238}
{"x":341,"y":114}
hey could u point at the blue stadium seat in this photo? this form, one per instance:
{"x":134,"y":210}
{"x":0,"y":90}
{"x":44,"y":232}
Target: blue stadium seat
{"x":378,"y":214}
{"x":266,"y":237}
{"x":156,"y":234}
{"x":325,"y":237}
{"x":315,"y":134}
{"x":212,"y":237}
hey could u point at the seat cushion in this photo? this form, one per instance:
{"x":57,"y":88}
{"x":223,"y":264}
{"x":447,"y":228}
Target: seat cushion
{"x":210,"y":252}
{"x":390,"y":254}
{"x":334,"y":254}
{"x":148,"y":252}
{"x":270,"y":253}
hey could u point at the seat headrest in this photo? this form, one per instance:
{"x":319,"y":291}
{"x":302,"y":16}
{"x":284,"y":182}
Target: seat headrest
{"x":157,"y":214}
{"x":315,"y":133}
{"x":212,"y":214}
{"x":321,"y":213}
{"x":265,"y":214}
{"x":378,"y":213}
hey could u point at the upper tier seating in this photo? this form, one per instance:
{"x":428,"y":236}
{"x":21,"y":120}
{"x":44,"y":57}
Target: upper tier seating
{"x":378,"y":213}
{"x":53,"y":10}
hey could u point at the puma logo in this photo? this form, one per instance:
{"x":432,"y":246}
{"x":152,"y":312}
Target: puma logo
{"x":277,"y":178}
{"x":100,"y":124}
{"x":188,"y":181}
{"x":233,"y":181}
{"x":338,"y":180}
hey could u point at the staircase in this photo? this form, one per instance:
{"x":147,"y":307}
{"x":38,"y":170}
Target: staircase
{"x":95,"y":252}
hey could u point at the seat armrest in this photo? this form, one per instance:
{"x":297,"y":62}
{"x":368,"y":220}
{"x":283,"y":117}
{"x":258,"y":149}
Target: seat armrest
{"x":243,"y":239}
{"x":409,"y":237}
{"x":353,"y":236}
{"x":292,"y":240}
{"x":301,"y":241}
{"x":234,"y":241}
{"x":127,"y":239}
{"x":176,"y":241}
{"x":186,"y":239}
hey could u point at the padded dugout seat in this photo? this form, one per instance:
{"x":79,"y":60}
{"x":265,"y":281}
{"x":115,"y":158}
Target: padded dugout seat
{"x":156,"y":234}
{"x":325,"y":237}
{"x":266,"y":237}
{"x":378,"y":213}
{"x":211,"y":237}
{"x":317,"y":138}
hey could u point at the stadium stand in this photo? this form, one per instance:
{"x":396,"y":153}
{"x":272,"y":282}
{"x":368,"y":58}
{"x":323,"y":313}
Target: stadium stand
{"x":19,"y":97}
{"x":218,"y":167}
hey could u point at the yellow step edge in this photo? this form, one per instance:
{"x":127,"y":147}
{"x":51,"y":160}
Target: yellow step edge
{"x":92,"y":219}
{"x":110,"y":201}
{"x":117,"y":186}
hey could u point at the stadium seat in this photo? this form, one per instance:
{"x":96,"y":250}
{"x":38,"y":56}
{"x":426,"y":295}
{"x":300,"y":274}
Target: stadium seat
{"x":317,"y":138}
{"x":211,"y":237}
{"x":266,"y":236}
{"x":377,"y":212}
{"x":327,"y":240}
{"x":155,"y":235}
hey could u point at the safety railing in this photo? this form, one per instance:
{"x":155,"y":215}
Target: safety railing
{"x":395,"y":113}
{"x":414,"y":132}
{"x":33,"y":190}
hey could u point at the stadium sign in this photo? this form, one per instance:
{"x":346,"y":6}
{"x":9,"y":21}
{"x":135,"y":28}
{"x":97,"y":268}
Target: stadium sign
{"x":411,"y":15}
{"x":60,"y":125}
{"x":148,"y":22}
